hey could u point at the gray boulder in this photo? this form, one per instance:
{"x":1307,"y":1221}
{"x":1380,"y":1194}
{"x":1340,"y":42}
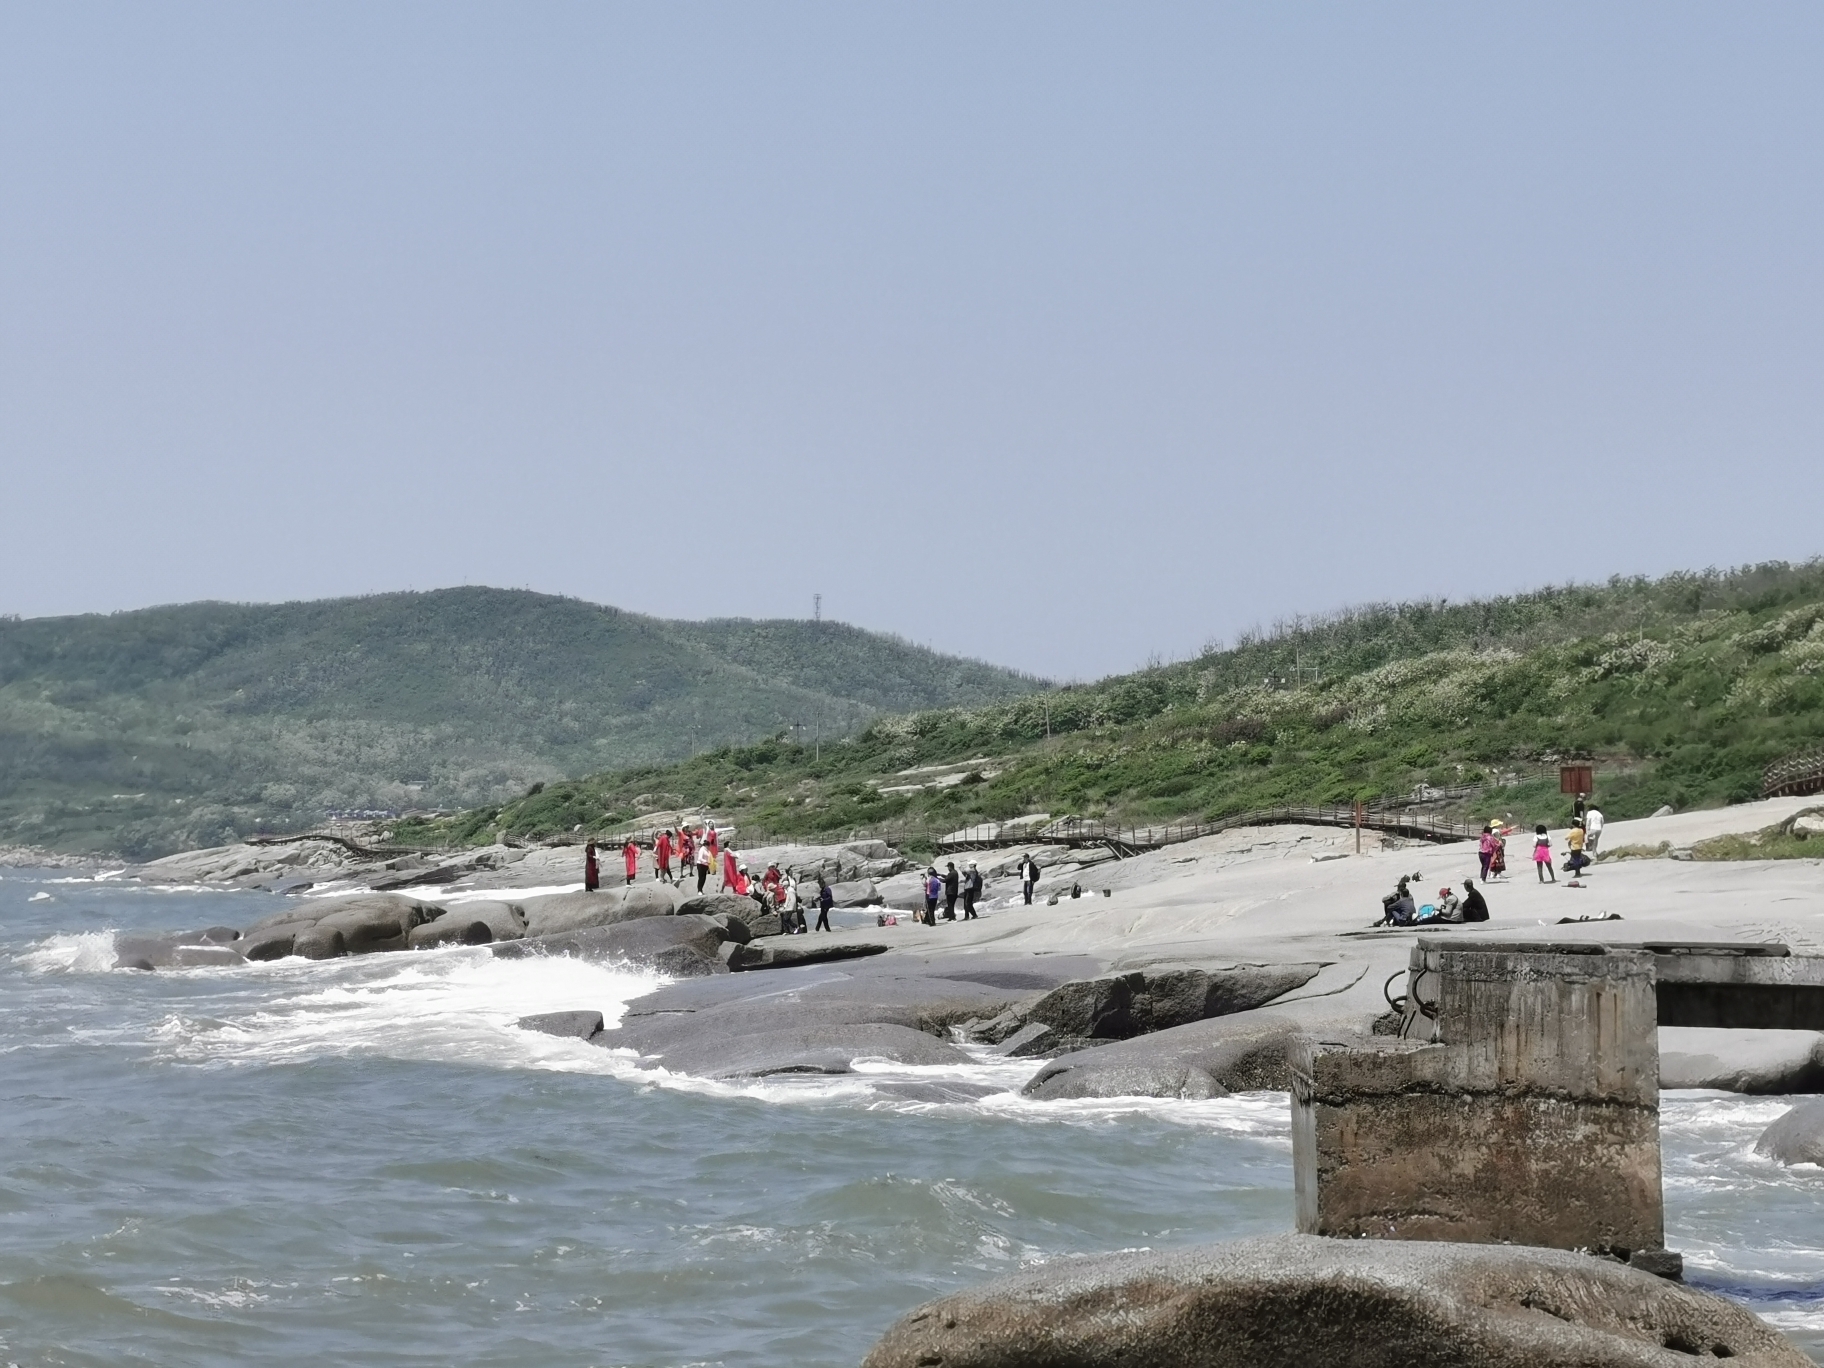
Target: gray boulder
{"x":1238,"y":1053}
{"x":856,"y":893}
{"x":682,"y":947}
{"x":1797,"y":1137}
{"x":1290,"y":1301}
{"x":578,"y":1025}
{"x":453,"y":928}
{"x":1743,"y":1061}
{"x":331,"y":927}
{"x":1157,"y":999}
{"x":606,"y":907}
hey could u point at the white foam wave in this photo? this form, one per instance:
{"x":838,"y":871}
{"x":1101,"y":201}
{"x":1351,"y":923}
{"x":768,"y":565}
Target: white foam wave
{"x":457,"y":1005}
{"x":85,"y":952}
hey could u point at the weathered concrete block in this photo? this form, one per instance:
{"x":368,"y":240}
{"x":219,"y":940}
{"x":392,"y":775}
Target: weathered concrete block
{"x":1528,"y":1112}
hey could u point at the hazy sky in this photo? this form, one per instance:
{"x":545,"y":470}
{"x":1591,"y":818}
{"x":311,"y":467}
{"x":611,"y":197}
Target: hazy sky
{"x":1055,"y":334}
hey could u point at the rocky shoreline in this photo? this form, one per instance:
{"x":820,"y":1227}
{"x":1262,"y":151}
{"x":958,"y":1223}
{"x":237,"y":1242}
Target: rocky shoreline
{"x":1191,"y":973}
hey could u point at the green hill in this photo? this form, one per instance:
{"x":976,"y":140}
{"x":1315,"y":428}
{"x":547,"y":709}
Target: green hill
{"x":1680,"y":688}
{"x":148,"y":731}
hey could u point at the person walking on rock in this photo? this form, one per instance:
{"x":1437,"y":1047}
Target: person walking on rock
{"x":1029,"y":877}
{"x":952,"y":886}
{"x":661,"y":854}
{"x":972,"y":889}
{"x":687,"y":852}
{"x":631,"y":854}
{"x":592,"y":872}
{"x":825,"y":900}
{"x":1542,"y":855}
{"x":1592,"y":829}
{"x":934,"y":889}
{"x":704,"y":860}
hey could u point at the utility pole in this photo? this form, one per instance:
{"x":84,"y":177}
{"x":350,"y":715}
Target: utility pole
{"x":817,"y":609}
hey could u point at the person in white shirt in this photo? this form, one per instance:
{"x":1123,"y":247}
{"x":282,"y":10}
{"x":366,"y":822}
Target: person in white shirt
{"x":1592,"y":829}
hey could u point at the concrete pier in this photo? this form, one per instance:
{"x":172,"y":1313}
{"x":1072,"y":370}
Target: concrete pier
{"x":1520,"y":1100}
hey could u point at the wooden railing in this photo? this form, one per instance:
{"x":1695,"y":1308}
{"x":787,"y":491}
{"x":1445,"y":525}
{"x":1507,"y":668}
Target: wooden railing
{"x":1793,"y":775}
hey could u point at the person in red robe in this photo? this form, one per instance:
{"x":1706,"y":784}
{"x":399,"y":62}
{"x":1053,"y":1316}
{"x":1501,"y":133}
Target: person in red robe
{"x":687,"y":851}
{"x":592,"y":874}
{"x":631,"y":853}
{"x":771,"y":881}
{"x":662,"y":854}
{"x":731,"y":872}
{"x":712,"y":840}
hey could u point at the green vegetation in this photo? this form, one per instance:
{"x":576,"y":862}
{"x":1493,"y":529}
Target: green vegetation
{"x":1781,"y":841}
{"x":1681,"y":689}
{"x":149,"y":731}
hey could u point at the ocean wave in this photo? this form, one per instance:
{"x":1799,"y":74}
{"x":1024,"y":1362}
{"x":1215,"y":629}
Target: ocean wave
{"x":459,"y":1005}
{"x":82,"y":952}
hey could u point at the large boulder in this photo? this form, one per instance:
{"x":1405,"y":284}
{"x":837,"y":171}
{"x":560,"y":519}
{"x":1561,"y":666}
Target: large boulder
{"x":1289,"y":1301}
{"x":1121,"y":1005}
{"x":213,"y":946}
{"x":1242,"y":1052}
{"x":331,"y":927}
{"x":606,"y":907}
{"x":471,"y":923}
{"x":1743,"y":1061}
{"x":682,"y":947}
{"x":1797,"y":1137}
{"x":856,"y":893}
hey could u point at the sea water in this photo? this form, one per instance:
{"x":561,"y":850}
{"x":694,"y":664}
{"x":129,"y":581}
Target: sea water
{"x":364,"y":1161}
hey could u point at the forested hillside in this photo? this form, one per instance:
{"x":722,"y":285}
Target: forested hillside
{"x":1680,"y":689}
{"x":147,"y":731}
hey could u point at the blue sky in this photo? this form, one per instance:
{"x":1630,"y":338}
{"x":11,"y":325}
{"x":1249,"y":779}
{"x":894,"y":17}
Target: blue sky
{"x":1060,"y":335}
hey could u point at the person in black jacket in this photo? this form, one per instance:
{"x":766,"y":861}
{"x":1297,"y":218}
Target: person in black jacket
{"x":1029,"y":877}
{"x":825,"y":900}
{"x":1474,"y":907}
{"x":952,"y":882}
{"x":972,"y":889}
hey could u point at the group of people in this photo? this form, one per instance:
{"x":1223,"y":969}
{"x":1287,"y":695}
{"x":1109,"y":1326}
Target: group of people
{"x":1400,"y":908}
{"x":701,"y":851}
{"x":1580,"y":845}
{"x":949,"y":885}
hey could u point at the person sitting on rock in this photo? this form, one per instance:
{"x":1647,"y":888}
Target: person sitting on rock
{"x":1398,"y":908}
{"x":773,"y":881}
{"x":1447,"y":908}
{"x":744,"y":886}
{"x":1474,"y":908}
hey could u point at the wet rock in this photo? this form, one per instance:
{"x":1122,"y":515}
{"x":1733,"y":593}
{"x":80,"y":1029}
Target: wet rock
{"x":453,"y":928}
{"x":1289,"y":1301}
{"x":605,"y":907}
{"x":940,"y":1092}
{"x":1237,"y":1053}
{"x":1743,"y":1061}
{"x":786,"y":952}
{"x":810,"y":1048}
{"x":1156,"y":999}
{"x":331,"y":927}
{"x":1030,"y":1041}
{"x":181,"y":950}
{"x":681,"y":947}
{"x":1797,"y":1137}
{"x":580,"y":1025}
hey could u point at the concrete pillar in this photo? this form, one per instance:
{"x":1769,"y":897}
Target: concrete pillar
{"x":1520,"y":1105}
